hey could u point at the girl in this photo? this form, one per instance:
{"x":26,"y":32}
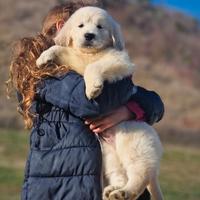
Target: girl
{"x":65,"y":157}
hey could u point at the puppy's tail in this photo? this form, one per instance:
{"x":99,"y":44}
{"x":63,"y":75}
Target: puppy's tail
{"x":154,"y":189}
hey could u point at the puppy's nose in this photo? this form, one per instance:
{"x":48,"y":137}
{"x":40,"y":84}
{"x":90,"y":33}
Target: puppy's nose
{"x":89,"y":36}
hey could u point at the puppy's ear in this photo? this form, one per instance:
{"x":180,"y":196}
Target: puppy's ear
{"x":116,"y":34}
{"x":63,"y":37}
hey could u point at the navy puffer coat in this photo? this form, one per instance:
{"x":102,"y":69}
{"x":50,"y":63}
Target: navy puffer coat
{"x":64,"y":162}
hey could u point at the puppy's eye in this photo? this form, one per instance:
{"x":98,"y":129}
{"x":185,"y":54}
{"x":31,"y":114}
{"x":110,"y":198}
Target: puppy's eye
{"x":81,"y":26}
{"x":99,"y":26}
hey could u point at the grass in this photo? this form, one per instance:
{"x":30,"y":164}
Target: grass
{"x":180,"y":170}
{"x":13,"y":151}
{"x":179,"y":177}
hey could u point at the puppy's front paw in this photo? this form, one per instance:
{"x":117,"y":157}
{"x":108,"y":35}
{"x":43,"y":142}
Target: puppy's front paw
{"x":107,"y":190}
{"x":93,"y":88}
{"x":45,"y":57}
{"x":120,"y":195}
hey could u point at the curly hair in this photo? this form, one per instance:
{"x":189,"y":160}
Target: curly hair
{"x":25,"y":75}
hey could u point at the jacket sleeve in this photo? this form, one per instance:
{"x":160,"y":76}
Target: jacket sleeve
{"x":56,"y":92}
{"x":112,"y":96}
{"x":151,"y":104}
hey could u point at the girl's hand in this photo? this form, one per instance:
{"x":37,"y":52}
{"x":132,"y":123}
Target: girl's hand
{"x":100,"y":124}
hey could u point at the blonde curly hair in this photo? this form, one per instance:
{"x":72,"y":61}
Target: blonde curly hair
{"x":25,"y":75}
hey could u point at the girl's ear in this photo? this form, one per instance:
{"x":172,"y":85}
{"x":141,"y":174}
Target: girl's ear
{"x":116,"y":34}
{"x":63,"y":37}
{"x":59,"y":24}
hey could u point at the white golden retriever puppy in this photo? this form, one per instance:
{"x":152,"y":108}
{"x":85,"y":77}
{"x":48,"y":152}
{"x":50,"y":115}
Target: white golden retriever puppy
{"x":91,"y":44}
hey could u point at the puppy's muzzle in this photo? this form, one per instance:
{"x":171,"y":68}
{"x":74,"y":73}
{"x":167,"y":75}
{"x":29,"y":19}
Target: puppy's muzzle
{"x":89,"y":36}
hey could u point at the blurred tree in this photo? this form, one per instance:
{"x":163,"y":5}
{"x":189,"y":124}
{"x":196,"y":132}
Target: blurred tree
{"x":140,"y":1}
{"x":114,"y":2}
{"x":61,"y":1}
{"x":88,"y":2}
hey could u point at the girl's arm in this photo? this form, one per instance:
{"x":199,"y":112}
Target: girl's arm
{"x":100,"y":124}
{"x":131,"y":111}
{"x":145,"y":105}
{"x":56,"y":91}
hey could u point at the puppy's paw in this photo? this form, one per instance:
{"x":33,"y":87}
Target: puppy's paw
{"x":120,"y":195}
{"x":107,"y":190}
{"x":93,"y":88}
{"x":45,"y":57}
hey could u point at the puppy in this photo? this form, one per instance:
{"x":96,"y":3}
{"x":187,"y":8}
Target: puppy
{"x":91,"y":43}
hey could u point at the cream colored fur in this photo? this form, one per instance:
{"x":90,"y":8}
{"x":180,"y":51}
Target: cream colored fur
{"x":133,"y":163}
{"x":108,"y":64}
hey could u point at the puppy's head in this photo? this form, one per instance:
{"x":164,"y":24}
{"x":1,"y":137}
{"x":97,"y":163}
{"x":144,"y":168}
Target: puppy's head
{"x":90,"y":29}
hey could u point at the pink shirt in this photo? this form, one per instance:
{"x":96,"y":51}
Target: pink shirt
{"x":137,"y":110}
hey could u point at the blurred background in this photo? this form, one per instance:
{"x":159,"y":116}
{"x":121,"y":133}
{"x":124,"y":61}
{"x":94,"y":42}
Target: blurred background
{"x":163,"y":39}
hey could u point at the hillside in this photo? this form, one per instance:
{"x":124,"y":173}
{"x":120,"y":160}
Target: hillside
{"x":164,"y":45}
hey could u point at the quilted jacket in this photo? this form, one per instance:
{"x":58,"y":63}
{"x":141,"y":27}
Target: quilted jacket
{"x":64,"y":162}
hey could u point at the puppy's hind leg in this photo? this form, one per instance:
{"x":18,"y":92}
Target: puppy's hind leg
{"x":113,"y":172}
{"x":131,"y":148}
{"x":137,"y":182}
{"x":154,"y":189}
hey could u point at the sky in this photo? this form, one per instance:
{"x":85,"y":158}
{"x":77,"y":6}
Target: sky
{"x":190,"y":7}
